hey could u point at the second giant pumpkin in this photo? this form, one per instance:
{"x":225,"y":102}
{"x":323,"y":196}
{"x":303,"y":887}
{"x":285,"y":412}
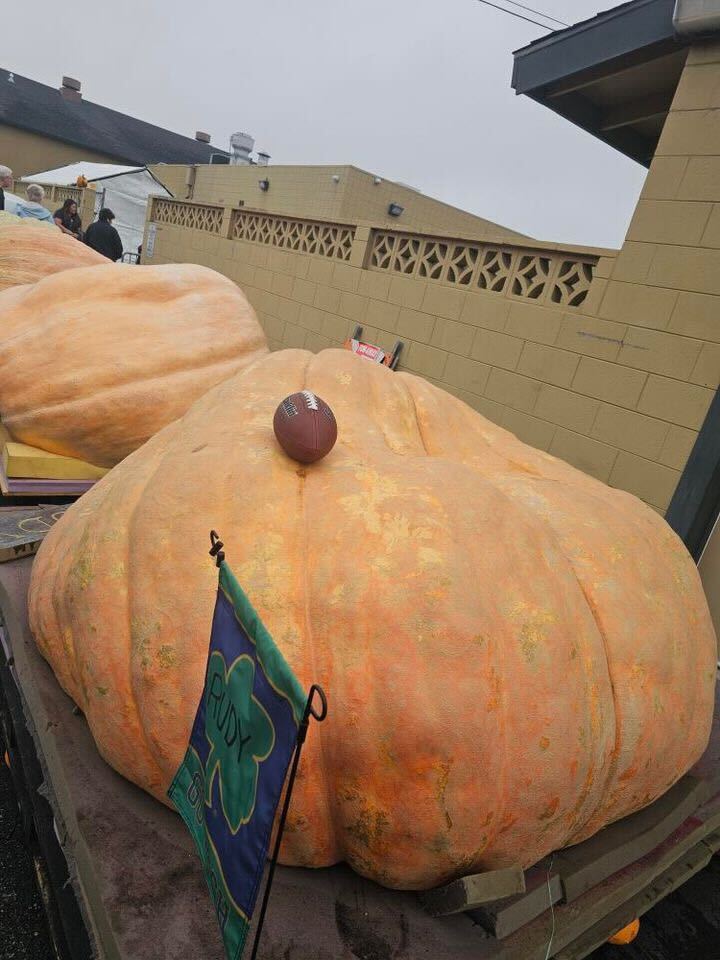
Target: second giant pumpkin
{"x":95,"y":360}
{"x":31,"y":250}
{"x":515,"y":654}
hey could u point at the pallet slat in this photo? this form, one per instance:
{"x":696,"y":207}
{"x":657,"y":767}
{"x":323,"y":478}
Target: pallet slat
{"x":622,"y":843}
{"x":471,"y":891}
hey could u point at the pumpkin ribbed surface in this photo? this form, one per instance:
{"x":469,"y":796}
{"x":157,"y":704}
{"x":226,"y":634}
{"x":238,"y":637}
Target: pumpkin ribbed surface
{"x":94,"y":361}
{"x":30,"y":250}
{"x":514,"y":653}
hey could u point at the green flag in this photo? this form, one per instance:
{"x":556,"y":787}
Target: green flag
{"x":229,"y":784}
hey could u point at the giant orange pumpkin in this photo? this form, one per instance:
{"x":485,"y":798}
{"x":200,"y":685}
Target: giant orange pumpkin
{"x":30,"y":250}
{"x":514,"y":653}
{"x":95,"y":360}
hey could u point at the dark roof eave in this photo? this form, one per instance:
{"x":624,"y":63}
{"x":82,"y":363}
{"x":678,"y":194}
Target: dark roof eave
{"x":629,"y":142}
{"x":611,"y":36}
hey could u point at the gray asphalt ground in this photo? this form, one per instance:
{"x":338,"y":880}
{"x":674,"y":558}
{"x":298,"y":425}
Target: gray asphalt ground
{"x":23,"y":931}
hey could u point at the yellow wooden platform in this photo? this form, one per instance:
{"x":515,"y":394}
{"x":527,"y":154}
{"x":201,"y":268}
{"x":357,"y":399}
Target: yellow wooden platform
{"x":22,"y":460}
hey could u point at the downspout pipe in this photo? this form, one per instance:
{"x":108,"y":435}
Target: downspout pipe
{"x":696,"y":18}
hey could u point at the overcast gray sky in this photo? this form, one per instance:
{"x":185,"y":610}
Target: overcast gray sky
{"x":413,"y":90}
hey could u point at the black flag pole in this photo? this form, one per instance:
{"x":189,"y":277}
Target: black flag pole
{"x":319,"y":715}
{"x":216,"y":551}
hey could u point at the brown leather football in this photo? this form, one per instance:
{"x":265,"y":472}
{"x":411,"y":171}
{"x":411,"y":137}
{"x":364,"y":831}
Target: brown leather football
{"x":305,"y":427}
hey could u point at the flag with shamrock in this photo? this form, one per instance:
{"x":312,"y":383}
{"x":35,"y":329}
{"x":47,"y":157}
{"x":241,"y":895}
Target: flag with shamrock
{"x":245,"y":731}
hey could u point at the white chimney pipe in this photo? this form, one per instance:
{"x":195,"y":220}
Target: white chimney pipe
{"x":240,"y":146}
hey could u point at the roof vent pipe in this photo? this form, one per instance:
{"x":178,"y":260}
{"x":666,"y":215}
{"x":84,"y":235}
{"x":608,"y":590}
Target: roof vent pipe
{"x":190,"y":181}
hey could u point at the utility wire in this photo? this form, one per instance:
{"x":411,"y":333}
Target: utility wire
{"x":552,"y":907}
{"x":512,"y":13}
{"x":539,"y":12}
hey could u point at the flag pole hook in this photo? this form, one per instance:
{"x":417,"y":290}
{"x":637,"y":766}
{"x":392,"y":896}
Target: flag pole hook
{"x":318,"y":714}
{"x":216,"y":548}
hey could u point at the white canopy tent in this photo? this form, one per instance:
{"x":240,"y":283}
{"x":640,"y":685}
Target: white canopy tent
{"x":124,"y":189}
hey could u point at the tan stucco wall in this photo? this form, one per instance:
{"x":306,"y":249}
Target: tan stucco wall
{"x":172,"y":176}
{"x":27,"y":153}
{"x":618,"y":387}
{"x":310,"y":191}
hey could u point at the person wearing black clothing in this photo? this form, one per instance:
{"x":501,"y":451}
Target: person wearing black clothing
{"x":68,"y":220}
{"x":6,"y":180}
{"x":103,"y":237}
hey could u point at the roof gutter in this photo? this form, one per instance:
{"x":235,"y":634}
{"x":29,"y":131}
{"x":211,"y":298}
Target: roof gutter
{"x":694,"y":18}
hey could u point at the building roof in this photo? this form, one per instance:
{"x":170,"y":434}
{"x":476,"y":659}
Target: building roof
{"x":29,"y":105}
{"x":614,"y":74}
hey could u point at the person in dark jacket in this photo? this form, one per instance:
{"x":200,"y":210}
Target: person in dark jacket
{"x":68,"y":220}
{"x":103,"y":237}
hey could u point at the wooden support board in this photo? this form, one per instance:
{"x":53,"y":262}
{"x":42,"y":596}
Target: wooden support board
{"x":543,"y":887}
{"x":578,"y":869}
{"x":468,"y":892}
{"x":695,"y":860}
{"x":620,"y":844}
{"x":32,"y":487}
{"x":572,"y":920}
{"x":21,"y":461}
{"x":29,"y":472}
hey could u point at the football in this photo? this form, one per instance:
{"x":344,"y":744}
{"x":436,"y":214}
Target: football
{"x":305,"y":427}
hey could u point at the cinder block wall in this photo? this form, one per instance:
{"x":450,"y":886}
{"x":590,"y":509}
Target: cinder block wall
{"x":310,"y":191}
{"x":618,"y":386}
{"x":659,"y":300}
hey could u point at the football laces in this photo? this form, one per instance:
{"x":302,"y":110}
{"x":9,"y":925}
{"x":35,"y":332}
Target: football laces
{"x":310,"y":399}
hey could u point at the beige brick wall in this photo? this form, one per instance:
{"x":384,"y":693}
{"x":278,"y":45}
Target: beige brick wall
{"x":619,"y":387}
{"x":661,"y":301}
{"x":310,"y":191}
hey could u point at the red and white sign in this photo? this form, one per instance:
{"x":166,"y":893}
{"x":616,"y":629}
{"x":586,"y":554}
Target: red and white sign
{"x":368,"y":351}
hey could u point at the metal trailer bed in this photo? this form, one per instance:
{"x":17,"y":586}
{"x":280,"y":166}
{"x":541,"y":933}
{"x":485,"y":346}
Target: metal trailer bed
{"x":123,"y":881}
